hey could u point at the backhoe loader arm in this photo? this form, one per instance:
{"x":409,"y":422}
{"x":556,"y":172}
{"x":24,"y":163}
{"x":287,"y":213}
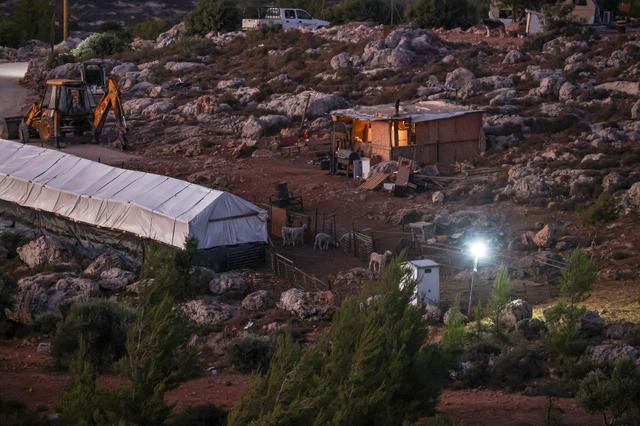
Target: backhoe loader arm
{"x":110,"y":101}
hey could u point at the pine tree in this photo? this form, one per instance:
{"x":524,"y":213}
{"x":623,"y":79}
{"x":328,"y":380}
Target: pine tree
{"x":371,"y":367}
{"x":578,"y":276}
{"x":499,"y":298}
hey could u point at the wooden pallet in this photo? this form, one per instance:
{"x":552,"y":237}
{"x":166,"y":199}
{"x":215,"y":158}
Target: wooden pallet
{"x":374,"y":181}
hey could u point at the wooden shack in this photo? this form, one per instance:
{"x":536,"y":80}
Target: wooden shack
{"x":428,"y":132}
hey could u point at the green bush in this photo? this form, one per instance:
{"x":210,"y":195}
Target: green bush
{"x":602,"y":211}
{"x":578,"y":276}
{"x":45,"y":323}
{"x":515,"y":367}
{"x":201,"y":415}
{"x":499,"y":298}
{"x":364,"y":10}
{"x":250,"y":354}
{"x":100,"y":45}
{"x":616,"y":397}
{"x":371,"y":367}
{"x":11,"y":241}
{"x":102,"y":324}
{"x":213,"y":15}
{"x":454,"y":334}
{"x":563,"y":323}
{"x":150,"y":29}
{"x":7,"y":294}
{"x":436,"y":13}
{"x":15,"y":413}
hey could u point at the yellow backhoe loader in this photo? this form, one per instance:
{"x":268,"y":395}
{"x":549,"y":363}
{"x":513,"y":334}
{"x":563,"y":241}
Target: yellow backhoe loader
{"x":68,"y":108}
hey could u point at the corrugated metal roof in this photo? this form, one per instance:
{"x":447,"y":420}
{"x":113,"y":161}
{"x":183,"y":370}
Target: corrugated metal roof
{"x":424,"y":263}
{"x":414,"y":111}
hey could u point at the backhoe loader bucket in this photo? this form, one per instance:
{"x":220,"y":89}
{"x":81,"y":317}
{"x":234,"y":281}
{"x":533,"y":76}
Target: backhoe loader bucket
{"x":9,"y":128}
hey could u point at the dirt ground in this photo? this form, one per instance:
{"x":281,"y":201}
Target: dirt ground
{"x":31,"y":377}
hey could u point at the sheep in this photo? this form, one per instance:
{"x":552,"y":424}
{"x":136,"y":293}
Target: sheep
{"x":377,"y":261}
{"x":290,"y":235}
{"x":322,"y":241}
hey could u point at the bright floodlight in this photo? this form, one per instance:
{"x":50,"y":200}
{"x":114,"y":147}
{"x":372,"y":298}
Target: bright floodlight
{"x":478,"y":249}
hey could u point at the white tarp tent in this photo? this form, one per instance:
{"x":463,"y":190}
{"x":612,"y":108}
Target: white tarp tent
{"x":148,"y":205}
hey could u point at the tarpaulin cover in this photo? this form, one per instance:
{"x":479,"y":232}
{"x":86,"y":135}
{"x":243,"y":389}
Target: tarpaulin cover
{"x":144,"y":204}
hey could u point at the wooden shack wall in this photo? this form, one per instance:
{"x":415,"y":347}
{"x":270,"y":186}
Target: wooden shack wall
{"x":445,"y":141}
{"x":380,"y":141}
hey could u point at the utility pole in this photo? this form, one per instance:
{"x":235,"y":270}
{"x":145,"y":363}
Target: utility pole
{"x":65,"y":19}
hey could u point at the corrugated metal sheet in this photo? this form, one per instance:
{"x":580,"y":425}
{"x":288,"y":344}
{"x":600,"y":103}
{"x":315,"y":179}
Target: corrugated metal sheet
{"x":416,"y":111}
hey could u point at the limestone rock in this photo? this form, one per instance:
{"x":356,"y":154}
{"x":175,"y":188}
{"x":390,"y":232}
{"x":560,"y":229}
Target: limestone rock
{"x":458,"y":78}
{"x":544,"y":237}
{"x":115,"y":279}
{"x":44,"y":250}
{"x":258,"y":301}
{"x":229,"y":282}
{"x":608,"y":354}
{"x":516,"y":311}
{"x":207,"y":311}
{"x":43,"y":293}
{"x":591,"y":324}
{"x":437,"y":197}
{"x":308,"y":305}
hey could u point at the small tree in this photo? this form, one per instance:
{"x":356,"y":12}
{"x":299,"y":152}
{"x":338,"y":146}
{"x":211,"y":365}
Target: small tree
{"x":499,"y":298}
{"x":578,"y":276}
{"x":150,"y":29}
{"x":213,"y":15}
{"x":454,"y":334}
{"x":563,"y":322}
{"x":100,"y":45}
{"x":614,"y":396}
{"x":101,"y":324}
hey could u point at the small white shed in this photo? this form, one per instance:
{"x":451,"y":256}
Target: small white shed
{"x":427,"y":274}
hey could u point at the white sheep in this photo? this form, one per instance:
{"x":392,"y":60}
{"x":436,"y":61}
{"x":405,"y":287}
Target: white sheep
{"x":291,"y":235}
{"x":322,"y":241}
{"x":377,"y":261}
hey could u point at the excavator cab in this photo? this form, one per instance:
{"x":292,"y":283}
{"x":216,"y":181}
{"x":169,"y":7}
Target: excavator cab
{"x":68,"y":108}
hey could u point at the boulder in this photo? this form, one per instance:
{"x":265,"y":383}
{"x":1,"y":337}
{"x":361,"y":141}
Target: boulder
{"x":591,"y":324}
{"x":182,"y":67}
{"x":458,"y":78}
{"x":134,"y":107}
{"x":632,"y":197}
{"x":43,"y":293}
{"x":71,"y":70}
{"x":229,"y":282}
{"x":437,"y":197}
{"x":432,"y":314}
{"x":233,"y":83}
{"x":620,"y":330}
{"x":258,"y":301}
{"x":635,"y":110}
{"x":530,"y":328}
{"x":121,"y":70}
{"x":514,"y":56}
{"x":157,"y":108}
{"x":516,"y":311}
{"x":612,"y":182}
{"x":609,"y":354}
{"x":109,"y":259}
{"x":207,"y":311}
{"x":449,"y":314}
{"x":308,"y":305}
{"x":252,"y":128}
{"x":544,"y":237}
{"x":353,"y":278}
{"x":115,"y":279}
{"x":45,"y":250}
{"x":340,"y":61}
{"x":293,"y":105}
{"x":625,"y":87}
{"x":171,"y":36}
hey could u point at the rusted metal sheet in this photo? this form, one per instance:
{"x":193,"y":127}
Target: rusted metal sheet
{"x":374,"y":181}
{"x":278,"y":220}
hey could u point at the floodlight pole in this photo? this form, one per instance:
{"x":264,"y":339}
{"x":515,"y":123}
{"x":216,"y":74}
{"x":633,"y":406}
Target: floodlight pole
{"x":473,"y":274}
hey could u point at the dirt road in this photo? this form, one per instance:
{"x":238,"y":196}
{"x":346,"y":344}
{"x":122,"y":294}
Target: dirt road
{"x":13,"y":96}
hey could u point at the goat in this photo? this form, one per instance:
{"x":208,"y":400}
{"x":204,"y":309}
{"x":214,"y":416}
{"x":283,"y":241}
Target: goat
{"x":377,"y":261}
{"x":290,"y":235}
{"x":322,"y":241}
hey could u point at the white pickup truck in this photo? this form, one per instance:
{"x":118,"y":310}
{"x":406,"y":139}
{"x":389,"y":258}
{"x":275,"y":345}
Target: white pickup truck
{"x":287,"y":18}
